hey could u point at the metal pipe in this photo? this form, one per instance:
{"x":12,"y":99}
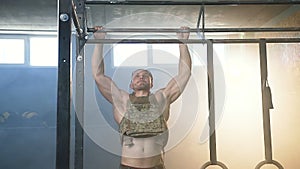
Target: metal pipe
{"x":126,"y":2}
{"x":201,"y":16}
{"x":203,"y":20}
{"x":265,"y":109}
{"x":201,"y":13}
{"x":211,"y":103}
{"x":195,"y":41}
{"x":76,"y":20}
{"x":266,"y":113}
{"x":210,"y":30}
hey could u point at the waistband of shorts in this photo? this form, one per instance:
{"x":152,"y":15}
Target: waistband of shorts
{"x":159,"y":166}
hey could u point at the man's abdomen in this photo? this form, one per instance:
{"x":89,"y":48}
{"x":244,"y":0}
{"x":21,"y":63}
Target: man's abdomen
{"x":142,"y":152}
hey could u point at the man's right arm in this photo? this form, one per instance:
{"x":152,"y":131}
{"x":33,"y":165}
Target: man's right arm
{"x":104,"y":83}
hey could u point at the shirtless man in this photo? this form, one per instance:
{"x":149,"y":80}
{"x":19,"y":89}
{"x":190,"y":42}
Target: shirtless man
{"x":142,"y":115}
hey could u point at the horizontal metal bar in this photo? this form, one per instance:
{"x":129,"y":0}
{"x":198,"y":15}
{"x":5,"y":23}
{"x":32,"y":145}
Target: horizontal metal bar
{"x":194,"y":41}
{"x":208,"y":30}
{"x":128,"y":2}
{"x":28,"y":31}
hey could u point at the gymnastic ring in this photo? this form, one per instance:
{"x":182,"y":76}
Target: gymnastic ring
{"x":277,"y":164}
{"x":218,"y":163}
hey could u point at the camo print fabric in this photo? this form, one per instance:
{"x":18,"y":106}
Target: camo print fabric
{"x":143,"y":118}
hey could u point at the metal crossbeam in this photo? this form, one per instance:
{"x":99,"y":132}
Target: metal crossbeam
{"x":208,"y":30}
{"x":195,"y":41}
{"x":253,"y":2}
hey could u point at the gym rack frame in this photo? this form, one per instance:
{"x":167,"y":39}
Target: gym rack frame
{"x":69,"y":10}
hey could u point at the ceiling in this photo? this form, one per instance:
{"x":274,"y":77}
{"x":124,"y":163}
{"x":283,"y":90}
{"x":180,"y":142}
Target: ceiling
{"x":28,"y":14}
{"x":42,"y":14}
{"x":169,"y":16}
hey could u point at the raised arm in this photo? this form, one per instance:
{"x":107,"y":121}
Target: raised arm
{"x":104,"y":83}
{"x":177,"y":84}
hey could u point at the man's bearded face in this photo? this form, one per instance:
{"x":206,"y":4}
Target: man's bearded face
{"x":141,"y":80}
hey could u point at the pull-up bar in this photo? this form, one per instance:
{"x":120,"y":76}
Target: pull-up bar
{"x":253,"y":2}
{"x":195,"y":41}
{"x":211,"y":30}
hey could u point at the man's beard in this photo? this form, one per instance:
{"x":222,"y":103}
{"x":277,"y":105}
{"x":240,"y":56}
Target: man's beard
{"x":144,"y":86}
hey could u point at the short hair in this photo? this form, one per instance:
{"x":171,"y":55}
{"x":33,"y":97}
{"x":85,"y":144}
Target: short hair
{"x":150,"y":74}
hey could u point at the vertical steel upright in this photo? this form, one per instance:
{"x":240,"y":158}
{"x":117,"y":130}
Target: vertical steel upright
{"x":212,"y":113}
{"x":80,"y":16}
{"x":211,"y":103}
{"x":266,"y":111}
{"x":63,"y":87}
{"x":266,"y":106}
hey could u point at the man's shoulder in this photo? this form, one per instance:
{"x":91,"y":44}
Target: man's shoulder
{"x":160,"y":95}
{"x":122,"y":98}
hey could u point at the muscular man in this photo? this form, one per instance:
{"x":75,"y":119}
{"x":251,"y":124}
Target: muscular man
{"x":142,"y":116}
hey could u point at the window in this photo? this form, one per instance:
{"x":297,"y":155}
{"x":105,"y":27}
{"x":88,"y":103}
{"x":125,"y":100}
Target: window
{"x":145,"y":54}
{"x":149,"y":54}
{"x":43,"y":51}
{"x":130,"y":55}
{"x":12,"y":51}
{"x":28,"y":50}
{"x":165,"y":53}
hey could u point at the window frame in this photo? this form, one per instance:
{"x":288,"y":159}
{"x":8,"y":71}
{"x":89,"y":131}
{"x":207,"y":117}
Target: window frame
{"x":29,"y":63}
{"x":150,"y":57}
{"x":26,"y":37}
{"x":21,"y":37}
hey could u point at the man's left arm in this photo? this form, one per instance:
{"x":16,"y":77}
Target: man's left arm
{"x":177,"y":84}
